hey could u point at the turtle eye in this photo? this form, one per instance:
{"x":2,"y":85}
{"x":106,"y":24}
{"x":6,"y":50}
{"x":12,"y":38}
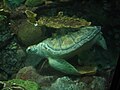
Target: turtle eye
{"x":31,"y":50}
{"x":28,"y":49}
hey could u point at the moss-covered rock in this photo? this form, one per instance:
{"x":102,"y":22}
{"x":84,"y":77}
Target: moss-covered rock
{"x":30,"y":34}
{"x":18,"y":84}
{"x":30,"y":73}
{"x":65,"y":83}
{"x":61,"y":21}
{"x":5,"y":34}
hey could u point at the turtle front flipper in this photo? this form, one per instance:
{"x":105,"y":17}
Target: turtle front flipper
{"x":63,"y":66}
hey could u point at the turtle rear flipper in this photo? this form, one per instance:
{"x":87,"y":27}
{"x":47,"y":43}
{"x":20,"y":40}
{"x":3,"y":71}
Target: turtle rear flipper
{"x":101,"y":42}
{"x":63,"y":66}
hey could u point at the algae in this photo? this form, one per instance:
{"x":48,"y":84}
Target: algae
{"x":28,"y":34}
{"x":20,"y":84}
{"x":62,"y":21}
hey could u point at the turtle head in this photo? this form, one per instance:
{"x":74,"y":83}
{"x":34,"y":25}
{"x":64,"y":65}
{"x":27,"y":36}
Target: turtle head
{"x":35,"y":49}
{"x":31,"y":50}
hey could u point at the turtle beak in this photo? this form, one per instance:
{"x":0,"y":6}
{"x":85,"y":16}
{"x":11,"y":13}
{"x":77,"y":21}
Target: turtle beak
{"x":101,"y":42}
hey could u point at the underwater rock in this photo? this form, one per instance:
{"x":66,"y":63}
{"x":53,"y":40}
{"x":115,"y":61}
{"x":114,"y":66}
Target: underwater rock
{"x":30,"y":34}
{"x":58,"y":21}
{"x":5,"y":34}
{"x":62,"y":21}
{"x":29,"y":73}
{"x":9,"y":61}
{"x":65,"y":83}
{"x":98,"y":83}
{"x":5,"y":37}
{"x":8,"y":48}
{"x":18,"y":84}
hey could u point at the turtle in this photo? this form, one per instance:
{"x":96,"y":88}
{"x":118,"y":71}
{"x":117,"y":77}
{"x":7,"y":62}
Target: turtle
{"x":58,"y":49}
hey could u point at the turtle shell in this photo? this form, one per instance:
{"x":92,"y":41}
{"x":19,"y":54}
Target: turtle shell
{"x":70,"y":42}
